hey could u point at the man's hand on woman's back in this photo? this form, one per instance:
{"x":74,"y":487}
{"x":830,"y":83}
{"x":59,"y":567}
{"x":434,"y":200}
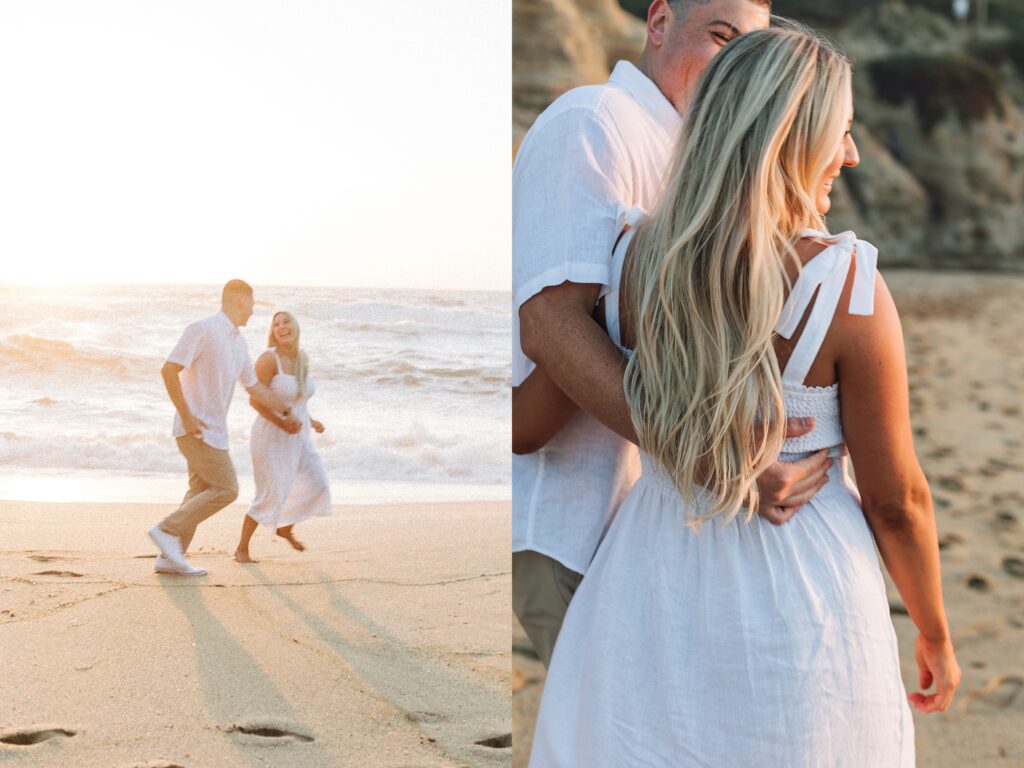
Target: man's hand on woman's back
{"x":787,"y":485}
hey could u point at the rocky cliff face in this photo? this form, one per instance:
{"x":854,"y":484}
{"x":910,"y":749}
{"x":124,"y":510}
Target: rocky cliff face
{"x":939,"y":123}
{"x":559,"y":44}
{"x":945,"y":110}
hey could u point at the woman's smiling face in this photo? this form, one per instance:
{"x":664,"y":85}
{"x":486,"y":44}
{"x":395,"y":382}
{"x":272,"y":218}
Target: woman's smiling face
{"x":283,"y":329}
{"x":846,"y":156}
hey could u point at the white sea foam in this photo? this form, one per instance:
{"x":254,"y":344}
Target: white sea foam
{"x":412,"y":386}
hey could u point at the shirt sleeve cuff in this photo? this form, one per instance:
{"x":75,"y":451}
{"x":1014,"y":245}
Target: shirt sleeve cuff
{"x":598,"y":274}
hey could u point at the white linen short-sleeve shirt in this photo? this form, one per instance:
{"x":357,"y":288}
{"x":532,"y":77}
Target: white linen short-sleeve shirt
{"x":214,"y":356}
{"x":595,"y":153}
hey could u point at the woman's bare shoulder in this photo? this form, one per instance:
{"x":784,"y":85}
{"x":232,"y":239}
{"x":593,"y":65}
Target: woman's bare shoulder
{"x":861,"y":336}
{"x":266,"y":366}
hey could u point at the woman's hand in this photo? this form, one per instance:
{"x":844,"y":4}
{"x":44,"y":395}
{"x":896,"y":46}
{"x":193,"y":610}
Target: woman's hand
{"x":936,"y":665}
{"x":317,"y":426}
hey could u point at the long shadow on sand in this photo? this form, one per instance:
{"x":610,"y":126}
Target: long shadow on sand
{"x":455,"y":713}
{"x":237,"y":693}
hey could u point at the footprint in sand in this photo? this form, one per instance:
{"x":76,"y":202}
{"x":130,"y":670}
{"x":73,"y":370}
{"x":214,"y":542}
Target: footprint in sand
{"x":1014,"y":566}
{"x":1006,"y":519}
{"x":1011,"y":497}
{"x":979,"y":583}
{"x":28,"y":736}
{"x":269,"y":732}
{"x":999,"y":693}
{"x":950,"y":483}
{"x":425,"y":717}
{"x":157,"y":764}
{"x":46,"y":558}
{"x":503,"y":741}
{"x":57,"y":573}
{"x":949,"y":540}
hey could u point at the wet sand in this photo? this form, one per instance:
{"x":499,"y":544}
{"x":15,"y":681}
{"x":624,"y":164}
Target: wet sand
{"x":384,"y":644}
{"x":965,"y":352}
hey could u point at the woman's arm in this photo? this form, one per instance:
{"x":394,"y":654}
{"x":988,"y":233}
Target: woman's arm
{"x":539,"y":410}
{"x":872,"y":373}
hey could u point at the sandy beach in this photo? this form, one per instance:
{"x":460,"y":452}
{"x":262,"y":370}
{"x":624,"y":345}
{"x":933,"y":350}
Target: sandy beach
{"x":965,"y":351}
{"x":386,"y":643}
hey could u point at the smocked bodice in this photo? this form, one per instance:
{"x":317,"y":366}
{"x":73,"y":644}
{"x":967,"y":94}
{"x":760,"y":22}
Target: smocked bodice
{"x":820,"y":403}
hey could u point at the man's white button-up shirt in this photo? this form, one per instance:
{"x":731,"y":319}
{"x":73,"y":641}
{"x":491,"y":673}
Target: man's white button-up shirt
{"x":214,"y":356}
{"x":595,"y":153}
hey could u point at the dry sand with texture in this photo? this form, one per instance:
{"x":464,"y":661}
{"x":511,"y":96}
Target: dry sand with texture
{"x":965,"y":352}
{"x":385,"y":644}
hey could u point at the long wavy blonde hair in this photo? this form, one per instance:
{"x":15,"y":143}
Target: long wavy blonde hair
{"x":301,"y":360}
{"x":706,"y":274}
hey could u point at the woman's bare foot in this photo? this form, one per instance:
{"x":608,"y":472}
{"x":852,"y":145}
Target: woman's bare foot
{"x":242,"y":556}
{"x":286,"y":534}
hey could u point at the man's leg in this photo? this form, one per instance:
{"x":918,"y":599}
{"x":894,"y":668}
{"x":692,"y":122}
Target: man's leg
{"x":196,"y":485}
{"x":541,"y":590}
{"x":212,"y":486}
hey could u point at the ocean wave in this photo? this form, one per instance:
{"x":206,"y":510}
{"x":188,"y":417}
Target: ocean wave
{"x":405,"y":373}
{"x":27,"y":353}
{"x":117,"y":453}
{"x":367,"y":327}
{"x":414,"y":452}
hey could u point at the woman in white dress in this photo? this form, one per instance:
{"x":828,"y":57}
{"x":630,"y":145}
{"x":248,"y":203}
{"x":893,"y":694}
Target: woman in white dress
{"x":702,"y":634}
{"x":291,"y":484}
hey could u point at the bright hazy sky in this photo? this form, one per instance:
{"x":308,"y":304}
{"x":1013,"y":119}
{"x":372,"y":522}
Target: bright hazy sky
{"x":298,"y":142}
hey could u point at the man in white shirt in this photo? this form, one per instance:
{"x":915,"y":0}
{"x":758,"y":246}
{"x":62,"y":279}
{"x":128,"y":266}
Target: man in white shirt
{"x":596,"y":154}
{"x":200,"y":375}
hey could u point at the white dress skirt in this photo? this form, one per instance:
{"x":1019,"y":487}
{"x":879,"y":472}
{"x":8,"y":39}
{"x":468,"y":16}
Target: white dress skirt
{"x":291,"y":484}
{"x":743,"y":644}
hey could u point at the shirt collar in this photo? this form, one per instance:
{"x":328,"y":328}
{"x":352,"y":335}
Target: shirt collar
{"x":648,"y":95}
{"x":228,"y":325}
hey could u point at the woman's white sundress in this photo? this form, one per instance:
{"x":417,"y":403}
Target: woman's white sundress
{"x":740,"y":645}
{"x":291,"y":484}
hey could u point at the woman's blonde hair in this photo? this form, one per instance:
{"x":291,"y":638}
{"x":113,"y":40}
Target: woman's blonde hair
{"x":301,"y":361}
{"x":707,"y":271}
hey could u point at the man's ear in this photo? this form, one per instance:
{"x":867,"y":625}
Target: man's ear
{"x":659,"y":17}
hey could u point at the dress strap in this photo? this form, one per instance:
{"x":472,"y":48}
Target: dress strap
{"x":827,"y":271}
{"x":277,"y":359}
{"x":630,"y":219}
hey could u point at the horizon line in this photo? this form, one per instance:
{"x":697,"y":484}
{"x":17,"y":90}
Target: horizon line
{"x":75,"y":285}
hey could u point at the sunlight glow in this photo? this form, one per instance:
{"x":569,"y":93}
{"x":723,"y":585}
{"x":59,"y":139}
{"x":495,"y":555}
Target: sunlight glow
{"x":289,"y":144}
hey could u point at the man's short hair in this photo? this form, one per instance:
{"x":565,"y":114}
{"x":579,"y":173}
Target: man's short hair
{"x":234,"y":288}
{"x":682,"y":7}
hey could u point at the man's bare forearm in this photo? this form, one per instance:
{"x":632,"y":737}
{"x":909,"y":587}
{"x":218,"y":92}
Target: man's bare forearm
{"x":563,"y":339}
{"x":267,"y":397}
{"x":539,"y":411}
{"x":266,"y":413}
{"x":172,"y":384}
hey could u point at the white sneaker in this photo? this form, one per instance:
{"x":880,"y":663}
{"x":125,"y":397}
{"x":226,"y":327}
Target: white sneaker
{"x":170,"y":545}
{"x":163,"y":565}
